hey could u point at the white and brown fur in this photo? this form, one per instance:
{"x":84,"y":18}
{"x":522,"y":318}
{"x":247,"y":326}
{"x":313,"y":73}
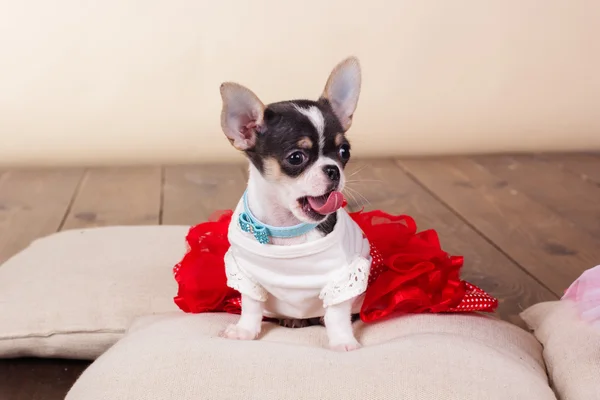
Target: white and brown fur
{"x":274,"y":138}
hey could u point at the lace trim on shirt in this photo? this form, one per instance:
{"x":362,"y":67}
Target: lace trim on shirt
{"x":352,"y":282}
{"x":242,"y":282}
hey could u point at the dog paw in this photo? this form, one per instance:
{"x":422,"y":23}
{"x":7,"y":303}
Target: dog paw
{"x":237,"y":333}
{"x":345,"y":346}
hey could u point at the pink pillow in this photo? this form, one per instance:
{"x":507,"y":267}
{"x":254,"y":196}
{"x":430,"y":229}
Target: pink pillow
{"x":585,"y":293}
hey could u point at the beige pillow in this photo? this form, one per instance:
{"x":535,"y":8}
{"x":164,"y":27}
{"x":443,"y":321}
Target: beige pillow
{"x":73,"y":294}
{"x":425,"y":357}
{"x":571,"y":349}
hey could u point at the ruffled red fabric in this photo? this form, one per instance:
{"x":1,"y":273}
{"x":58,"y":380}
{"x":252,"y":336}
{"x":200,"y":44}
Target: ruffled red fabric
{"x":410,"y":272}
{"x":201,"y":272}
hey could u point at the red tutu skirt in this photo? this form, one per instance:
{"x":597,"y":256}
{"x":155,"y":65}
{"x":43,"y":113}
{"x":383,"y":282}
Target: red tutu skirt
{"x":410,"y":272}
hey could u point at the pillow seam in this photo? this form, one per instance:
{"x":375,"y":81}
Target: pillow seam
{"x":62,"y":333}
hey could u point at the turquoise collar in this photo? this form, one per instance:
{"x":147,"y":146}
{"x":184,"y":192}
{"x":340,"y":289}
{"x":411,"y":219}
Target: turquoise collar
{"x":262,"y":232}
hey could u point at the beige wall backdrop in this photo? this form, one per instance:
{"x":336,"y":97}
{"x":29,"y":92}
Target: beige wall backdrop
{"x":137,"y":81}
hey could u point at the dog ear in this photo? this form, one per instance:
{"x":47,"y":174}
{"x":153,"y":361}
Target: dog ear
{"x":342,"y":90}
{"x":241,"y":116}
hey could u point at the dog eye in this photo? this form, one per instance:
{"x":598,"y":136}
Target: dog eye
{"x":344,"y":152}
{"x":296,"y":158}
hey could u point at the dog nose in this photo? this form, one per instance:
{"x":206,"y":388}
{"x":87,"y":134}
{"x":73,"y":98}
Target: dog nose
{"x":332,"y":172}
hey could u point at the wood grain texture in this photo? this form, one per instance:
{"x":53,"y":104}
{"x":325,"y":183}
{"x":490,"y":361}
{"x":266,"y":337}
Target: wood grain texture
{"x":538,"y":239}
{"x":191,"y":194}
{"x":574,"y":198}
{"x":585,"y":166}
{"x":388,"y":188}
{"x":38,"y":379}
{"x":117,"y":196}
{"x":33,"y":204}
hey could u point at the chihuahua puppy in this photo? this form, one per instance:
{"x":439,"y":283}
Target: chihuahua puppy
{"x":295,"y":254}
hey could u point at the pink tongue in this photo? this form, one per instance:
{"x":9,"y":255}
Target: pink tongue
{"x":326,"y":206}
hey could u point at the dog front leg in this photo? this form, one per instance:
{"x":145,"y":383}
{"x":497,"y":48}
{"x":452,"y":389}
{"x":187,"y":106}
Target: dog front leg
{"x":250,"y":322}
{"x":338,"y":322}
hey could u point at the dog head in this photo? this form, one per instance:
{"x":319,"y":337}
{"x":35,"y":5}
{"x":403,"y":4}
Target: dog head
{"x":299,"y":147}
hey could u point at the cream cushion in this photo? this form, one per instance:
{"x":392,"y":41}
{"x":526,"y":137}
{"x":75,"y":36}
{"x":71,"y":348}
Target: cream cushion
{"x":439,"y":357}
{"x":73,"y":294}
{"x":571,"y":349}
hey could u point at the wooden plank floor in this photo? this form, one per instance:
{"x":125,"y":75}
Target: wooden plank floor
{"x":528,"y":225}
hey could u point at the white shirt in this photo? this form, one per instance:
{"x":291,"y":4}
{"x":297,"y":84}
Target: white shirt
{"x":299,"y":281}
